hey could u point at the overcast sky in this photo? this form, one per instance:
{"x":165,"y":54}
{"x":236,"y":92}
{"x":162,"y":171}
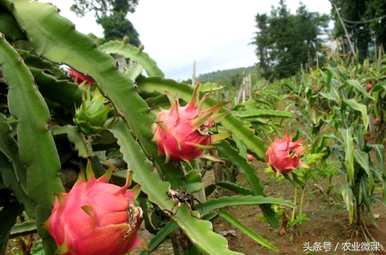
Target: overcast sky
{"x":214,"y":33}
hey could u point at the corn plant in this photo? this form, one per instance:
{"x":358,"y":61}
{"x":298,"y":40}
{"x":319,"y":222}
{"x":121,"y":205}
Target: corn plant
{"x":50,"y":126}
{"x":344,"y":104}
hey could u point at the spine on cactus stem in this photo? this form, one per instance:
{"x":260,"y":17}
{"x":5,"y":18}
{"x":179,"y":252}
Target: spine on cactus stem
{"x":61,"y":43}
{"x":56,"y":39}
{"x":42,"y":163}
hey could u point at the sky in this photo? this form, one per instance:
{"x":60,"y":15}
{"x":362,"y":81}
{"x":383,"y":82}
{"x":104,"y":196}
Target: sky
{"x":216,"y":34}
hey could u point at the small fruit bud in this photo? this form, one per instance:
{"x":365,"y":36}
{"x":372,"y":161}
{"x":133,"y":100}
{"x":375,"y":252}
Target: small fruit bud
{"x":369,"y":86}
{"x":92,"y":114}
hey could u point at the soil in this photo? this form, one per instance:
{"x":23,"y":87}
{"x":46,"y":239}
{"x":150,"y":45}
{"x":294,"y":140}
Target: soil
{"x":327,"y":223}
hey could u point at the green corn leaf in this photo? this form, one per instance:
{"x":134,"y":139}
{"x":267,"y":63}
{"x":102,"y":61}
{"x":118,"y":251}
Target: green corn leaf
{"x":359,"y":88}
{"x":348,"y":198}
{"x":199,"y":231}
{"x":332,"y":95}
{"x":222,"y":202}
{"x":348,"y":153}
{"x":230,"y":122}
{"x":247,"y":231}
{"x":232,"y":155}
{"x":133,"y":53}
{"x":362,"y":158}
{"x":360,"y":108}
{"x":264,"y":114}
{"x":36,"y":146}
{"x":379,"y":166}
{"x":77,"y":138}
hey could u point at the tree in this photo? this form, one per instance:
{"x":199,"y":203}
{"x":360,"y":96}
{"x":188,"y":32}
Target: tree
{"x":111,"y":15}
{"x":261,"y":41}
{"x":377,"y":9}
{"x":365,"y":21}
{"x":352,"y":12}
{"x":285,"y":42}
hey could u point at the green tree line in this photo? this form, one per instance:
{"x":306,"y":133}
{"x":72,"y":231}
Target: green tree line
{"x":286,"y":42}
{"x":112,"y":16}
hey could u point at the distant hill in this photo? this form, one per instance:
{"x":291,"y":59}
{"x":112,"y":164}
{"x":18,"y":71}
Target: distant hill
{"x":228,"y":77}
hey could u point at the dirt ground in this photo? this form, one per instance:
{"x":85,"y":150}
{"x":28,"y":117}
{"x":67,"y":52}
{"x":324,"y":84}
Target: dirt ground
{"x":327,"y":224}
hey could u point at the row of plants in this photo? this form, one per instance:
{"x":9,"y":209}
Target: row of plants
{"x":77,"y":114}
{"x":342,"y":108}
{"x":95,"y":141}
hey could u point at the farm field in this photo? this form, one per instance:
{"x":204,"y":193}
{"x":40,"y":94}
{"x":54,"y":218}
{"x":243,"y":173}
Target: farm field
{"x":107,"y":147}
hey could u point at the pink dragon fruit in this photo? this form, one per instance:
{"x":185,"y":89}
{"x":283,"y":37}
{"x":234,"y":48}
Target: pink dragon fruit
{"x":181,"y":132}
{"x":250,"y":157}
{"x":284,"y":155}
{"x":95,"y":218}
{"x":79,"y":77}
{"x":369,"y":86}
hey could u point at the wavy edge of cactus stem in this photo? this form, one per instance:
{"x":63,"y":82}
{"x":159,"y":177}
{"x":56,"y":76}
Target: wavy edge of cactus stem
{"x":199,"y":231}
{"x":133,"y":53}
{"x":229,"y":122}
{"x":32,"y":115}
{"x":55,"y":38}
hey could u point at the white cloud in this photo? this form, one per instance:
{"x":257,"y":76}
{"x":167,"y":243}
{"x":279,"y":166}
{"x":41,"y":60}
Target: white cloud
{"x":215,"y":33}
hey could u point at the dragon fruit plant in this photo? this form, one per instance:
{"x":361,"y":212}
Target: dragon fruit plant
{"x":343,"y":100}
{"x":52,"y":127}
{"x":284,"y":157}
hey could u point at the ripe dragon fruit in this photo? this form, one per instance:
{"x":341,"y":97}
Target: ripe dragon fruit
{"x":78,"y":77}
{"x":95,"y":218}
{"x":181,"y":132}
{"x":369,"y":86}
{"x":284,"y":155}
